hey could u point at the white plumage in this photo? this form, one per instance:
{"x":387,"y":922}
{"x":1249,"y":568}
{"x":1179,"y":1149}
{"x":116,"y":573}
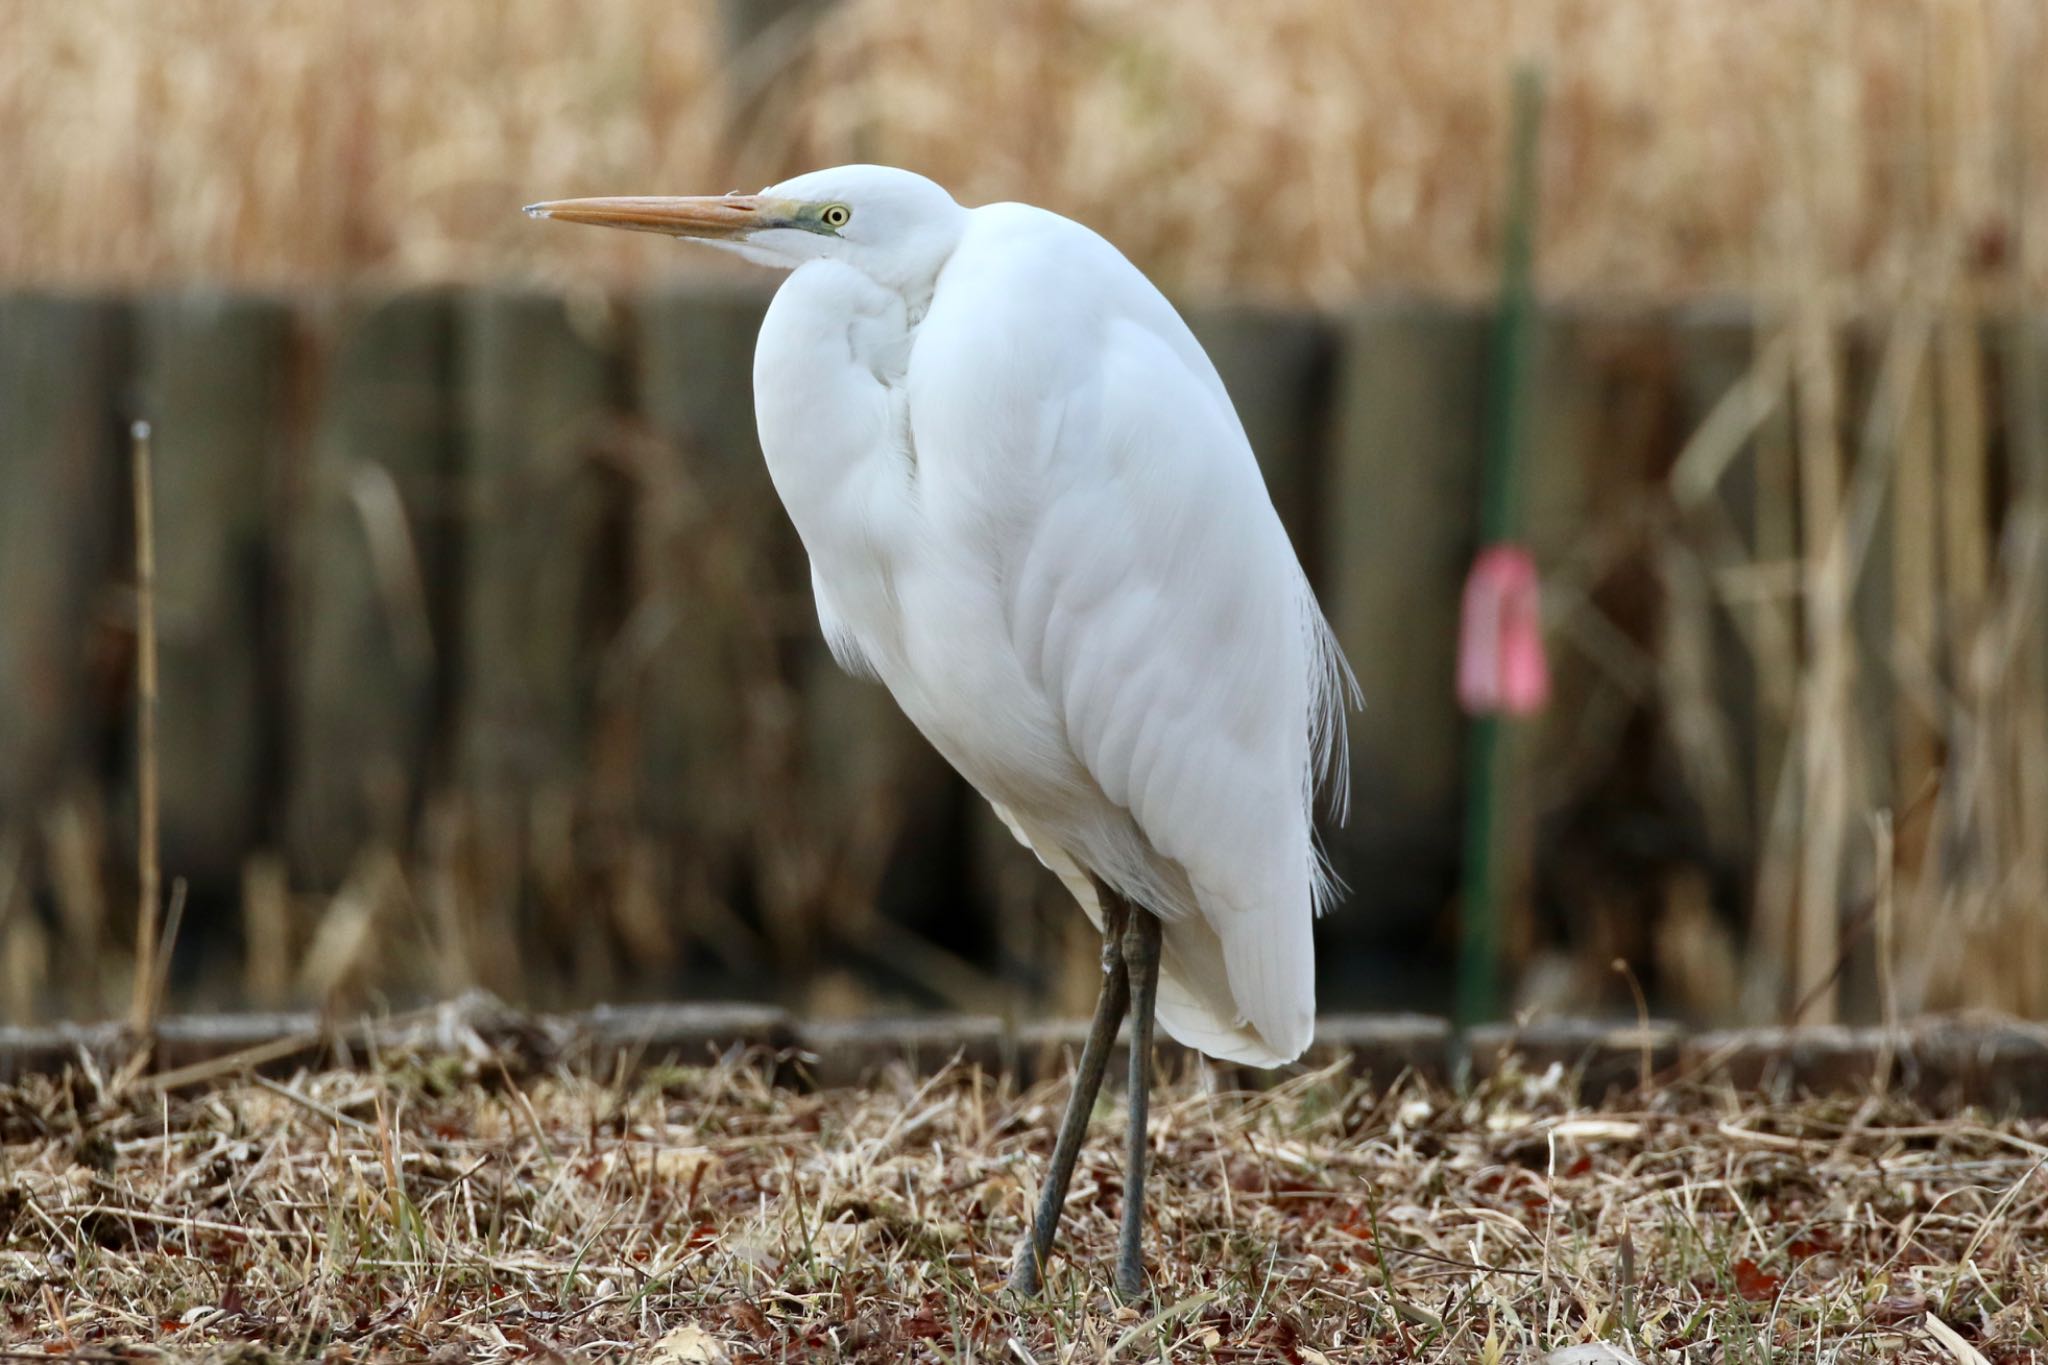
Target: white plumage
{"x":1032,"y":513}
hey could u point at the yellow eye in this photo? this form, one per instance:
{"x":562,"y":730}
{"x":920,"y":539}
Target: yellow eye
{"x":835,"y":215}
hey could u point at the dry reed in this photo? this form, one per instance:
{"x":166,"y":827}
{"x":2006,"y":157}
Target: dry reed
{"x":149,"y":869}
{"x":1300,"y":150}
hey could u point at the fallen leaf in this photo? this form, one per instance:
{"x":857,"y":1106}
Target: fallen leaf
{"x":1753,"y":1284}
{"x":688,"y":1345}
{"x":750,"y":1319}
{"x":1801,"y":1248}
{"x":921,"y":1325}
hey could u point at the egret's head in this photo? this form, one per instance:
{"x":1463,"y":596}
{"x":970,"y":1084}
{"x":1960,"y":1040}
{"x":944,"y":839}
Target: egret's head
{"x":893,"y":224}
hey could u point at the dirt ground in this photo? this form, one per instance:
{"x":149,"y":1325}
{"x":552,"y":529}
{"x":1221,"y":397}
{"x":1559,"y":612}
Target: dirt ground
{"x":456,"y":1209}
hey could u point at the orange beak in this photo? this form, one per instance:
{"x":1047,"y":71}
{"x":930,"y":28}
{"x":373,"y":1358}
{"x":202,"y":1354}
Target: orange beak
{"x":722,"y":217}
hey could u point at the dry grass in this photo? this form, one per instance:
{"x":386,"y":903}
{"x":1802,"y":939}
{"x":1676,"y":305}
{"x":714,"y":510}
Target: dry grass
{"x":1305,"y":149}
{"x":429,"y":1208}
{"x":1888,"y":606}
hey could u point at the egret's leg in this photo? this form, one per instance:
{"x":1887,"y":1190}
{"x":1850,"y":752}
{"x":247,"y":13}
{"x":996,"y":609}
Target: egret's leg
{"x":1026,"y":1272}
{"x":1141,"y":964}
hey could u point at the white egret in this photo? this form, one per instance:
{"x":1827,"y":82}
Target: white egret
{"x":1032,"y":512}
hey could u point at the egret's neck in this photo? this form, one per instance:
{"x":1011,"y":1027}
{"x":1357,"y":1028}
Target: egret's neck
{"x":828,"y":388}
{"x":914,"y":273}
{"x":833,"y":408}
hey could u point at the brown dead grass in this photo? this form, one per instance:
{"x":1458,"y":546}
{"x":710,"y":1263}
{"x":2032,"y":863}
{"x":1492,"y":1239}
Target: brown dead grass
{"x":453,"y":1209}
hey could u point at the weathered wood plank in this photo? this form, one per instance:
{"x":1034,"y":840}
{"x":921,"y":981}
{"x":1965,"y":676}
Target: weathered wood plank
{"x":1278,"y":366}
{"x":843,"y":1052}
{"x":1746,"y":520}
{"x":1921,"y":497}
{"x":1891,"y":373}
{"x":718,"y":561}
{"x":539,"y":383}
{"x":1596,"y":419}
{"x":636,"y":1037}
{"x":878,"y":814}
{"x":214,"y":380}
{"x":1384,"y":1046}
{"x":538,"y":392}
{"x":2023,"y":356}
{"x":1716,"y":352}
{"x":1781,"y":1062}
{"x":59,"y":467}
{"x":1941,"y":1064}
{"x":754,"y":740}
{"x":1607,"y":1059}
{"x":369,"y":620}
{"x":1401,"y":506}
{"x":1882,"y":416}
{"x":1048,"y":955}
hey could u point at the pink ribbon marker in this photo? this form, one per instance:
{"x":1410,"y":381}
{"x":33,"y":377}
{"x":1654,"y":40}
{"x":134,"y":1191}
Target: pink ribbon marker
{"x":1501,"y":665}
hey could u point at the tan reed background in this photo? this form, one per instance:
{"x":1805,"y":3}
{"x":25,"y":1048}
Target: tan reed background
{"x":1303,"y":149}
{"x":1791,"y":500}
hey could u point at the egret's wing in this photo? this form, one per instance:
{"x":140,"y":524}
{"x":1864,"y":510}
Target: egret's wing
{"x":1151,"y":592}
{"x":839,"y":637}
{"x":1195,"y":1005}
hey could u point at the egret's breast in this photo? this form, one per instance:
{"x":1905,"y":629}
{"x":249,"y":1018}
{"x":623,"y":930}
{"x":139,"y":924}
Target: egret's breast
{"x":907,"y":579}
{"x":828,"y":398}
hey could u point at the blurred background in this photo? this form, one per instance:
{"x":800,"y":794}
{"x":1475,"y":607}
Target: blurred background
{"x":487,"y":656}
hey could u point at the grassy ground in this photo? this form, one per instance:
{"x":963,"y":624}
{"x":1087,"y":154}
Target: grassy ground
{"x":454,"y":1209}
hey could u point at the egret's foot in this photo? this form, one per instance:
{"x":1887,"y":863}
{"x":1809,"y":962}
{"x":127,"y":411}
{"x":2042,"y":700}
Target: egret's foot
{"x":1025,"y":1282}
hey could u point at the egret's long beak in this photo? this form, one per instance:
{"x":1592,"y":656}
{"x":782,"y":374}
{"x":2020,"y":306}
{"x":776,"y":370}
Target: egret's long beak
{"x":723,"y":217}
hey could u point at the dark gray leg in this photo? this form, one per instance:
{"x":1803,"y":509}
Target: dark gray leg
{"x":1141,"y":964}
{"x":1036,"y":1245}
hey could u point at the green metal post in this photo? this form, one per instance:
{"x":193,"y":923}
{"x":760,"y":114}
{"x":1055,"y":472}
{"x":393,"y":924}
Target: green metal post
{"x":1499,"y":520}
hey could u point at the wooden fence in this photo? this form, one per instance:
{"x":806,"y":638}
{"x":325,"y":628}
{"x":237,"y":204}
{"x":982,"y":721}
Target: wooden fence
{"x":487,"y":655}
